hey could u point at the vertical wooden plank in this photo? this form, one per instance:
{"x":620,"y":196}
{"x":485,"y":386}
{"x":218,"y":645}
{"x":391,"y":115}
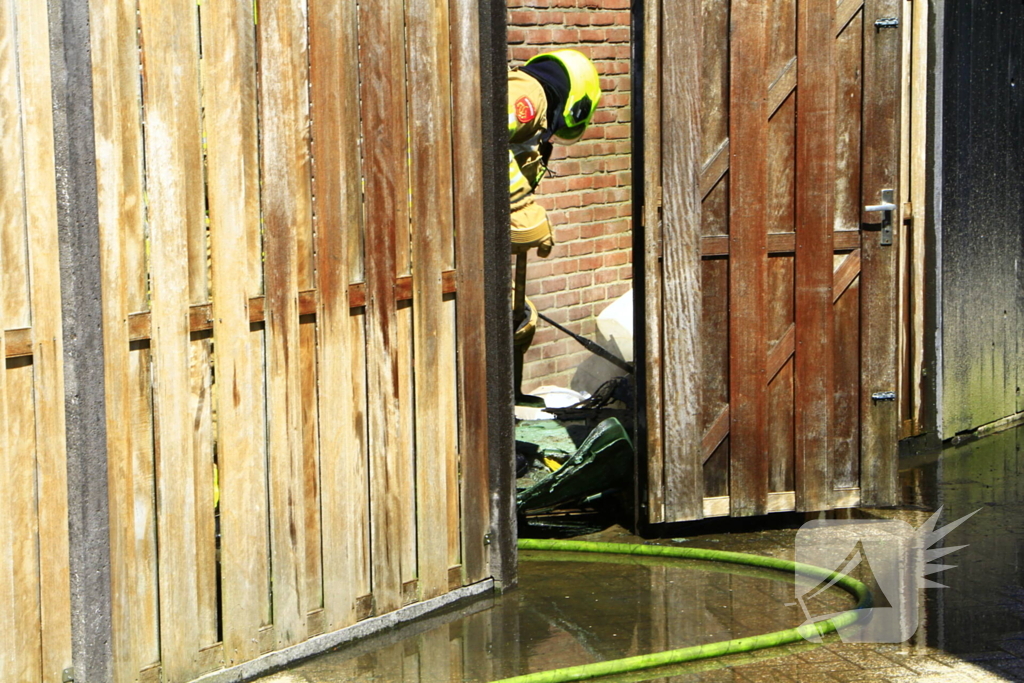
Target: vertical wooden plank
{"x":431,"y":217}
{"x":21,"y":490}
{"x":15,"y":294}
{"x":118,"y":131}
{"x":143,"y":611}
{"x":469,"y":259}
{"x":11,"y":219}
{"x":882,"y":51}
{"x":173,"y":156}
{"x":404,"y":456}
{"x":337,"y":188}
{"x":232,"y":162}
{"x":201,"y":412}
{"x":815,"y":168}
{"x":7,"y":461}
{"x":382,"y":90}
{"x":312,"y":567}
{"x":287,"y":214}
{"x":846,"y":373}
{"x":655,"y":446}
{"x":918,"y":180}
{"x":681,"y":283}
{"x":748,"y":471}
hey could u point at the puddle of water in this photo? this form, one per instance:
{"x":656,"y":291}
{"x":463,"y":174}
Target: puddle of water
{"x":570,"y":612}
{"x":983,"y":607}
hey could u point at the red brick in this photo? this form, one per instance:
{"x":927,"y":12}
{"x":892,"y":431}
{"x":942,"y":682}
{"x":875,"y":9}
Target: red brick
{"x":523,"y":18}
{"x":605,"y":275}
{"x":566,"y":231}
{"x":554,"y":284}
{"x":580,"y":312}
{"x":626,"y":272}
{"x":581,"y":248}
{"x":616,"y":290}
{"x":576,"y":18}
{"x":580,"y":280}
{"x":616,"y":131}
{"x":591,"y":262}
{"x":543,"y":302}
{"x":541,"y":36}
{"x":593,"y":35}
{"x":616,"y":258}
{"x":594,"y":294}
{"x":569,"y":298}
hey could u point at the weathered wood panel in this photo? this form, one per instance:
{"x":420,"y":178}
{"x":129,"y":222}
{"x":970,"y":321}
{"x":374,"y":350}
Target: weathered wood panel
{"x":170,"y":92}
{"x":386,"y":209}
{"x":789,"y":100}
{"x":680,"y":277}
{"x":469,"y":258}
{"x":119,"y":176}
{"x":815,"y":166}
{"x":748,"y":471}
{"x":880,"y":419}
{"x":249,"y":328}
{"x":287,"y":216}
{"x":232,"y":166}
{"x":430,"y":129}
{"x":334,"y":92}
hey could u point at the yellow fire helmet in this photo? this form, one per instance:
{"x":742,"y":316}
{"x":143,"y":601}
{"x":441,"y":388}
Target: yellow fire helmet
{"x":584,"y":92}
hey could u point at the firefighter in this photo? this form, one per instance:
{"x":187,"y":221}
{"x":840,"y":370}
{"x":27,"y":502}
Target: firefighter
{"x":550,"y":98}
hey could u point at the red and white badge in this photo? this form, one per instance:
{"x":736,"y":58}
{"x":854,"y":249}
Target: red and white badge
{"x":525,"y":111}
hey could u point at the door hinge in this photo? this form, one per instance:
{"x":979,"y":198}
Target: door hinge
{"x":887,"y":22}
{"x":883,"y":396}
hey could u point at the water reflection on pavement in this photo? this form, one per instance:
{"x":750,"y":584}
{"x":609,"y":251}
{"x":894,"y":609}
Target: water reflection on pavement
{"x":567,"y":612}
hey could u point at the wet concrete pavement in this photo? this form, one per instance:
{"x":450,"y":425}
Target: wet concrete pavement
{"x":569,"y":612}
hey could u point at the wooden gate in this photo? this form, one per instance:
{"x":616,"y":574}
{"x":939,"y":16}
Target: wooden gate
{"x":770,"y":300}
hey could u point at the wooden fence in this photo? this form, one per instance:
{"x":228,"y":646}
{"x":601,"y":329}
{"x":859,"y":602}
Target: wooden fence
{"x":33,"y":496}
{"x":292,"y":325}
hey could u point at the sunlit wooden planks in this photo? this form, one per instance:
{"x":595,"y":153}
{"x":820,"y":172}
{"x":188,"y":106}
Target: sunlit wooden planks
{"x":287,"y":214}
{"x":681,"y":281}
{"x":433,"y":343}
{"x":815,"y":166}
{"x":383,"y":100}
{"x":469,"y":257}
{"x":174,"y":158}
{"x":652,"y":269}
{"x":230,"y":120}
{"x":48,"y":358}
{"x":119,"y":175}
{"x":19,"y":589}
{"x":341,"y":354}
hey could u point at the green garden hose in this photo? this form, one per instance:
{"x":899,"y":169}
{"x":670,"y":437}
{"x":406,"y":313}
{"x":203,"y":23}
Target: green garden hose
{"x":695,"y":652}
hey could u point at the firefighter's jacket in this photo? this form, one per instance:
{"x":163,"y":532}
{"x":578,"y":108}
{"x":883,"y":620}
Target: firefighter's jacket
{"x":527,"y":120}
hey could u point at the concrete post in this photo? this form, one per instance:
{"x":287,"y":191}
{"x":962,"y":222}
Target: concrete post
{"x":84,"y":394}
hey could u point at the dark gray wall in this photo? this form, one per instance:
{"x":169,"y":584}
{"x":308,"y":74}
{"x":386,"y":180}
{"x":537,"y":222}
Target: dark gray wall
{"x":981,"y":313}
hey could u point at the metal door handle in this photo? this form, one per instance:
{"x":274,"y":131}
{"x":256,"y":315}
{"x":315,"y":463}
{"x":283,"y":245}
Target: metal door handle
{"x":886,"y":207}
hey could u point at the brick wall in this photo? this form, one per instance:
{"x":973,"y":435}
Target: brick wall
{"x":588,"y":197}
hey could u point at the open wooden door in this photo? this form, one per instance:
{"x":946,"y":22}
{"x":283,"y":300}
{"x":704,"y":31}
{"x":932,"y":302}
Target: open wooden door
{"x":770,"y":300}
